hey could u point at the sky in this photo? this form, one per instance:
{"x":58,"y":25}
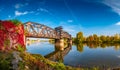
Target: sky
{"x":101,"y":17}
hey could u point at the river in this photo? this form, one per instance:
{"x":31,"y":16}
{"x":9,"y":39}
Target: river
{"x":80,"y":55}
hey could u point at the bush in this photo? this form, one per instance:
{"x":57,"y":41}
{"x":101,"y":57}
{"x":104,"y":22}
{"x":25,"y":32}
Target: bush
{"x":60,"y":66}
{"x":16,"y":22}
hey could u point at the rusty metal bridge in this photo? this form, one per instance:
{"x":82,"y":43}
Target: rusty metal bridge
{"x":37,"y":30}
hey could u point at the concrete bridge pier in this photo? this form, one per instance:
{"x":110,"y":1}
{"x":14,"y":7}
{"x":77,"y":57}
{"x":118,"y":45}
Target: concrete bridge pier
{"x":59,"y":43}
{"x":70,"y":41}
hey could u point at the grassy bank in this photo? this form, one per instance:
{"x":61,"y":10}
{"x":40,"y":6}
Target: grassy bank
{"x":14,"y":60}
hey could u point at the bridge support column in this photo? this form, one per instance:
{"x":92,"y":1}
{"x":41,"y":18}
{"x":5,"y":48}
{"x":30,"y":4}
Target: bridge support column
{"x":59,"y":43}
{"x":70,"y":41}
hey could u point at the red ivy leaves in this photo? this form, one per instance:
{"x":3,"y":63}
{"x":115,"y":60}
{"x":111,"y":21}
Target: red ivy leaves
{"x":7,"y":24}
{"x":2,"y":38}
{"x":9,"y":29}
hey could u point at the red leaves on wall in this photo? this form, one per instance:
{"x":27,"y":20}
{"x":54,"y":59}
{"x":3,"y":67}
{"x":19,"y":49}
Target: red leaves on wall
{"x":9,"y":31}
{"x":7,"y":24}
{"x":21,"y":35}
{"x":1,"y":39}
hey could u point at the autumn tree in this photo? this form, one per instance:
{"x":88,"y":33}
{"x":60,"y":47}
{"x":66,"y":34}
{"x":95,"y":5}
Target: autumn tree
{"x":96,"y":39}
{"x":79,"y":37}
{"x":103,"y":38}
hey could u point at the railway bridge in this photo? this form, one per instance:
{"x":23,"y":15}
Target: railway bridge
{"x":36,"y":30}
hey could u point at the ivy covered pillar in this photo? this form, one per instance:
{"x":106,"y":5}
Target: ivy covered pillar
{"x":11,"y":35}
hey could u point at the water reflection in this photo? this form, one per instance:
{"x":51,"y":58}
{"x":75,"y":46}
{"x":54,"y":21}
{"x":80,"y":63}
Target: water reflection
{"x":102,"y":55}
{"x":80,"y":46}
{"x":59,"y":53}
{"x":83,"y":54}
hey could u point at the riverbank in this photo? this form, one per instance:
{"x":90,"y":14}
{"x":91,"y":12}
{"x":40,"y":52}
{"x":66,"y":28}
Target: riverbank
{"x":14,"y":60}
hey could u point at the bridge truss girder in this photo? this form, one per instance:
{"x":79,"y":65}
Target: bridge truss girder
{"x":37,"y":30}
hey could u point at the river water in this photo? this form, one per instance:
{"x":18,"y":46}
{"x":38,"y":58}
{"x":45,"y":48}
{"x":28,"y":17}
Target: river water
{"x":80,"y":55}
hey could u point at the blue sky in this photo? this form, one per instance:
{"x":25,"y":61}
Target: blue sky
{"x":100,"y":17}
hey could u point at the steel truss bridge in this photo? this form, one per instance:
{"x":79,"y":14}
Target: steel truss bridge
{"x":37,"y":30}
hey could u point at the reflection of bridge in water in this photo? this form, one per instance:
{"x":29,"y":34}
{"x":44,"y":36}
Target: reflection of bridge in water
{"x":59,"y":53}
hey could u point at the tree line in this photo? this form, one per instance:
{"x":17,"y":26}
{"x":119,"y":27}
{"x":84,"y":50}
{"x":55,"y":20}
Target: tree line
{"x":80,"y":38}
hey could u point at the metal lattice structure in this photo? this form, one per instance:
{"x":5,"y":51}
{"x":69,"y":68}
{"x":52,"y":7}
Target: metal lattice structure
{"x":37,"y":30}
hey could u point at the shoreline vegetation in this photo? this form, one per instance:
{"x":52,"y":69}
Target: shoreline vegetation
{"x":96,"y":39}
{"x":17,"y":60}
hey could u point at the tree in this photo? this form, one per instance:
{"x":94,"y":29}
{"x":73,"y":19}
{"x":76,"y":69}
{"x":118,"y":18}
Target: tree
{"x":90,"y":38}
{"x":95,"y":37}
{"x":79,"y":37}
{"x":116,"y":37}
{"x":73,"y":39}
{"x":107,"y":38}
{"x":102,"y":38}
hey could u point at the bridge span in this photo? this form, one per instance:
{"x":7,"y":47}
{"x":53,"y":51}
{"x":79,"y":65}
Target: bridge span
{"x":36,"y":30}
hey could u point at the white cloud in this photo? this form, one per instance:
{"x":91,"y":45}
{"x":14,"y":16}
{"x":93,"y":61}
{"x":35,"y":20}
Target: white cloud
{"x":114,"y":4}
{"x":118,"y":23}
{"x":42,"y":9}
{"x":70,"y":21}
{"x":20,"y":5}
{"x":18,"y":13}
